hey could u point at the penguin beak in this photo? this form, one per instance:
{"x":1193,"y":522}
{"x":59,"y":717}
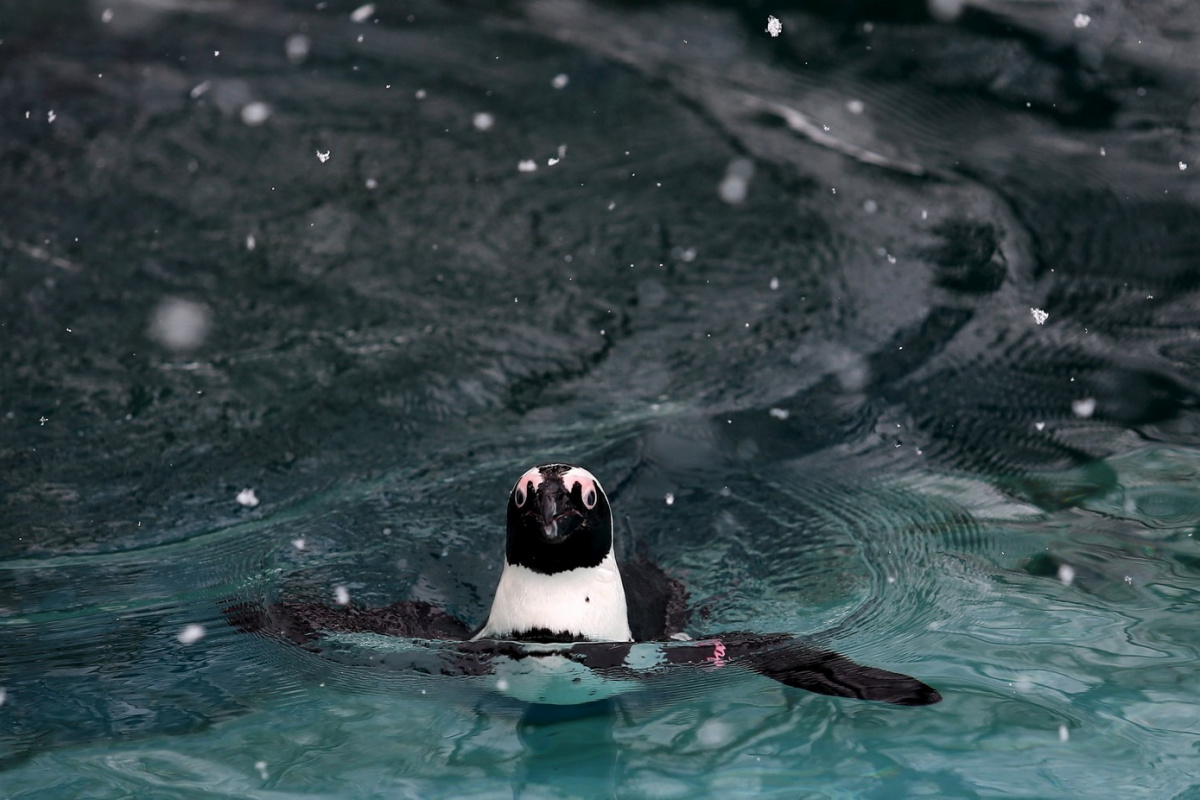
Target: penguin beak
{"x":549,"y":516}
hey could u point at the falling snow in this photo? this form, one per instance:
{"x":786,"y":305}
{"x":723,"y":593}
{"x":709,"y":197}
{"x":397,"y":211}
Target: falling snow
{"x":1039,"y":316}
{"x":560,"y":81}
{"x":856,"y":106}
{"x":251,"y":242}
{"x":107,"y":16}
{"x":736,"y":184}
{"x":297,"y":47}
{"x":363,"y":13}
{"x":299,"y":544}
{"x":261,"y":766}
{"x":1064,"y":735}
{"x":323,"y":157}
{"x":1084,"y":407}
{"x":670,"y":499}
{"x":191,"y":634}
{"x":501,"y":685}
{"x":774,"y":284}
{"x":1041,"y":426}
{"x":247,"y":498}
{"x":179,"y":325}
{"x":483,"y":121}
{"x":256,"y":113}
{"x":779,"y":413}
{"x":1082,"y":20}
{"x":341,"y":595}
{"x":528,"y":165}
{"x":774,"y":26}
{"x":1182,"y":166}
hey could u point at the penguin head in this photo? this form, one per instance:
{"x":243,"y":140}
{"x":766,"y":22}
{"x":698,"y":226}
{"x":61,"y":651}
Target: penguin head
{"x":558,"y":520}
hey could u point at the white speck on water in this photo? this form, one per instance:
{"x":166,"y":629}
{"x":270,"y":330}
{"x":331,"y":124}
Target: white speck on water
{"x":501,"y":685}
{"x":299,"y":544}
{"x":106,"y":16}
{"x":688,"y":255}
{"x":560,"y":81}
{"x":179,"y":325}
{"x":1084,"y":407}
{"x":1129,"y":580}
{"x":247,"y":498}
{"x":363,"y":13}
{"x":528,"y":165}
{"x":323,"y":157}
{"x":51,"y":116}
{"x":891,"y":258}
{"x":1082,"y":20}
{"x":1064,"y":735}
{"x":483,"y":121}
{"x":1182,"y":166}
{"x":551,"y":161}
{"x":261,"y":766}
{"x":1041,"y":426}
{"x":372,"y":183}
{"x":612,"y":204}
{"x":1039,"y":316}
{"x":191,"y":634}
{"x":924,"y":214}
{"x":891,"y":578}
{"x":256,"y":113}
{"x":251,"y":242}
{"x":774,"y":284}
{"x":341,"y":595}
{"x":1103,"y":152}
{"x":870,"y":206}
{"x":1066,"y":574}
{"x":297,"y":47}
{"x":779,"y":413}
{"x":774,"y":26}
{"x":856,"y":106}
{"x":43,"y":420}
{"x":736,"y":184}
{"x":670,"y":499}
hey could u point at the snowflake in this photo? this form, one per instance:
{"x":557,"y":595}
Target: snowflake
{"x":322,"y":157}
{"x":774,"y":26}
{"x":1039,"y":316}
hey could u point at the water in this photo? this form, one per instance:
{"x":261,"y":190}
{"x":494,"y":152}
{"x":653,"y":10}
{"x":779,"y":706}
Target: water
{"x":788,"y":283}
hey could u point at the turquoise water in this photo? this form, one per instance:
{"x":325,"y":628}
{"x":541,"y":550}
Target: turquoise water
{"x":881,"y":331}
{"x":1050,"y":689}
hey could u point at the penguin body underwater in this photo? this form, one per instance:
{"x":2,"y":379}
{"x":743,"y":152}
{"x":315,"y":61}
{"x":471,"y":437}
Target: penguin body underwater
{"x":567,"y":624}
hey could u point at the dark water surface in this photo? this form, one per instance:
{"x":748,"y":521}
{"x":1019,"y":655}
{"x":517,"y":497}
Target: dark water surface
{"x":778,"y":293}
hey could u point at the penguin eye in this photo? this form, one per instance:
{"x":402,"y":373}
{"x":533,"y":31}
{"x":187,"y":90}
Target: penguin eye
{"x":589,"y":499}
{"x":519,"y":496}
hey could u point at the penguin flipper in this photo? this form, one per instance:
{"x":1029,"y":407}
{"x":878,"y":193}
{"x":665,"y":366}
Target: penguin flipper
{"x":657,"y":603}
{"x":796,"y":663}
{"x":303,"y":623}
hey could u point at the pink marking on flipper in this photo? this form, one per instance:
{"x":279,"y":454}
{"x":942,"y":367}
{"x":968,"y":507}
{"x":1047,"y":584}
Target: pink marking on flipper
{"x":718,"y":656}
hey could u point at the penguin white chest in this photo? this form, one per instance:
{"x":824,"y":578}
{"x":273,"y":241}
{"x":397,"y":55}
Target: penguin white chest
{"x":587,"y":602}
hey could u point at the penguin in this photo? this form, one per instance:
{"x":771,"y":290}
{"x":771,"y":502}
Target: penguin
{"x":568,"y":624}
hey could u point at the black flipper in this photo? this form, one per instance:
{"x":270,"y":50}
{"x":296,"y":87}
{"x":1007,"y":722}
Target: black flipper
{"x":796,"y":663}
{"x":657,"y":603}
{"x":303,"y":623}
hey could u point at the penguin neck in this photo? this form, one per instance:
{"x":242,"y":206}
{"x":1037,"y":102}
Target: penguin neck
{"x":586,"y":602}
